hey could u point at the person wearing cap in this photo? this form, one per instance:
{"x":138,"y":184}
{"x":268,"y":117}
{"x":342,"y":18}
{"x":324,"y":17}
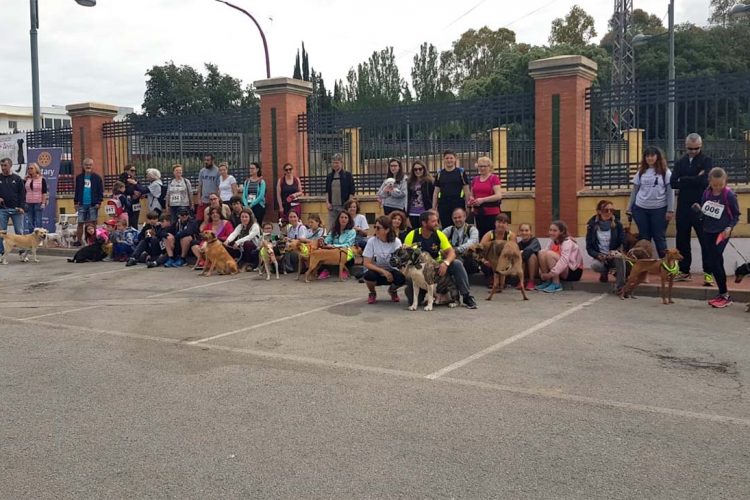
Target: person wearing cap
{"x":185,"y":236}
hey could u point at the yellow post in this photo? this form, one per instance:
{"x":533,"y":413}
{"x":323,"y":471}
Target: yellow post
{"x":499,"y":148}
{"x":352,"y":153}
{"x":634,"y":139}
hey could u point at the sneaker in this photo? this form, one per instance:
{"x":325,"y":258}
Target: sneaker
{"x":151,"y":264}
{"x":542,"y":286}
{"x":169,"y":262}
{"x":394,"y":296}
{"x":530,"y":285}
{"x":469,"y":302}
{"x":372,"y":298}
{"x":345,"y":275}
{"x":324,"y":274}
{"x":553,"y":288}
{"x":179,"y":262}
{"x":722,"y":301}
{"x":199,"y":265}
{"x":131,"y":262}
{"x":603,"y":277}
{"x":708,"y":279}
{"x":682,"y":277}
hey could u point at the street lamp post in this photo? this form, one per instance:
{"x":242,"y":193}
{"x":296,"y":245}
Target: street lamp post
{"x":262,"y":35}
{"x":740,"y":10}
{"x":35,"y":102}
{"x":641,"y":39}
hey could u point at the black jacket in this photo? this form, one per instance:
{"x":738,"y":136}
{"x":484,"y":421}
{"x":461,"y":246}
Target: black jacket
{"x":592,"y":245}
{"x":347,"y":185}
{"x":428,"y":188}
{"x":12,"y":191}
{"x":685,"y":178}
{"x":97,"y":189}
{"x":131,"y":188}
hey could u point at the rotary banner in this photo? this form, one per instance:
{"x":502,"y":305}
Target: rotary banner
{"x":48,"y":160}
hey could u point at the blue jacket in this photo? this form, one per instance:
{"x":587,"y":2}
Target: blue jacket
{"x":97,"y":189}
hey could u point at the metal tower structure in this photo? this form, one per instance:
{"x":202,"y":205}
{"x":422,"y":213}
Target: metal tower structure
{"x":623,"y":67}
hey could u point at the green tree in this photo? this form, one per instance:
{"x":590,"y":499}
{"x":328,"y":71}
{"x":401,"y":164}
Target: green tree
{"x":426,"y":75}
{"x":305,"y":64}
{"x":375,"y":82}
{"x":642,"y":22}
{"x":575,"y":29}
{"x":474,"y":55}
{"x":297,"y":73}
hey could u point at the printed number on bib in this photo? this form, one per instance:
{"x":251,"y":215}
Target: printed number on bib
{"x":713,"y":209}
{"x":136,"y":207}
{"x":174,"y":198}
{"x":110,"y":210}
{"x":87,"y":183}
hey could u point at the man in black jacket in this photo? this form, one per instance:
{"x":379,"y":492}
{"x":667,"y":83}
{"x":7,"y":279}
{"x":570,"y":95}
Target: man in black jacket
{"x":690,"y":177}
{"x":339,"y":188}
{"x":12,"y":199}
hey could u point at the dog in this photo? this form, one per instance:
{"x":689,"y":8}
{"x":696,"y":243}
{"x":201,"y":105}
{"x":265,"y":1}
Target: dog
{"x":268,"y":257}
{"x":642,"y":249}
{"x":327,"y":256}
{"x":217,"y":257}
{"x":94,"y":252}
{"x":667,"y":269}
{"x":63,"y":236}
{"x":303,"y":253}
{"x":630,"y":238}
{"x":505,"y":260}
{"x":28,"y":242}
{"x":739,"y":274}
{"x":422,"y":270}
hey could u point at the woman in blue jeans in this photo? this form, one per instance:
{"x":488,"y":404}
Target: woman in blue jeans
{"x":652,"y":199}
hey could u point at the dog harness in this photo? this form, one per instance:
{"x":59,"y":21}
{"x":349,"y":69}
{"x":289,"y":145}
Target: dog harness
{"x":672,"y":270}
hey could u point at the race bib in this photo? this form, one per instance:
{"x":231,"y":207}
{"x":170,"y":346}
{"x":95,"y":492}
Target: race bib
{"x":136,"y":207}
{"x":250,"y":198}
{"x":87,"y":184}
{"x":175,"y":198}
{"x":163,"y":244}
{"x":713,"y":209}
{"x":110,"y":210}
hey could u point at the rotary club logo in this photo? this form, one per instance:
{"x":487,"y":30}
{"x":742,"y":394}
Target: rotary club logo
{"x":44,"y":160}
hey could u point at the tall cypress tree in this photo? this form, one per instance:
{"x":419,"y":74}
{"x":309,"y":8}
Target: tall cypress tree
{"x":297,"y":68}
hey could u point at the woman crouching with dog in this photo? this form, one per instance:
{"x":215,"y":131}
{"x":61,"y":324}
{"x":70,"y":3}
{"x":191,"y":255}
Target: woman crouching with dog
{"x":242,"y":244}
{"x":561,"y":261}
{"x":377,"y":256}
{"x":604,"y":239}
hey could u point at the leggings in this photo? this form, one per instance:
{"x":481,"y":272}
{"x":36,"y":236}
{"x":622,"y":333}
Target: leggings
{"x":716,"y":260}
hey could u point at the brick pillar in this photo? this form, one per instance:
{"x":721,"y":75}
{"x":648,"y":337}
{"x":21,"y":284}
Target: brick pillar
{"x":87,"y":120}
{"x":281,"y":101}
{"x":562,"y":136}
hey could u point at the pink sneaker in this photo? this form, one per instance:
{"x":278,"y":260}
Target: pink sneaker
{"x":324,"y":274}
{"x":345,"y":275}
{"x":530,"y":285}
{"x":372,"y":298}
{"x":721,"y":302}
{"x":394,"y":297}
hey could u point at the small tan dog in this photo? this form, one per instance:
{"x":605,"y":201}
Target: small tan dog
{"x":217,"y":256}
{"x":327,"y":256}
{"x":667,"y":269}
{"x":267,"y":259}
{"x":28,"y":242}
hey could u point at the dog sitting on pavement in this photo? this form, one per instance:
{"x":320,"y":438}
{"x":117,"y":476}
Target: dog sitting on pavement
{"x":217,"y":257}
{"x":667,"y":269}
{"x":27,"y":242}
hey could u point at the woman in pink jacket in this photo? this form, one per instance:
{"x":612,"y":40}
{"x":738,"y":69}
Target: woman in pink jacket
{"x":561,"y":261}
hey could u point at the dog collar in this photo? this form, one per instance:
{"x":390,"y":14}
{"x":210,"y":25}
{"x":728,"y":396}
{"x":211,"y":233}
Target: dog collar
{"x":673,"y":269}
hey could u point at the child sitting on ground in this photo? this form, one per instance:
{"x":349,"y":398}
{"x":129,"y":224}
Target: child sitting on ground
{"x":530,"y":248}
{"x":124,"y":240}
{"x":146,"y":240}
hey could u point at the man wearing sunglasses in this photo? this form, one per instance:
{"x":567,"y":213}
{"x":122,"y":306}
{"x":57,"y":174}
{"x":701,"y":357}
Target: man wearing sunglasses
{"x":690,"y":177}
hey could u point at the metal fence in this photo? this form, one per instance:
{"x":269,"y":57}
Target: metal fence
{"x":717,"y":108}
{"x":369,"y":138}
{"x":162,"y":142}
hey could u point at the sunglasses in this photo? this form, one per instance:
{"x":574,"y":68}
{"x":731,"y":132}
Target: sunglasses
{"x":693,"y":149}
{"x":608,"y":210}
{"x":287,"y":170}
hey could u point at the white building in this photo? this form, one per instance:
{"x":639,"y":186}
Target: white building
{"x":21,"y":118}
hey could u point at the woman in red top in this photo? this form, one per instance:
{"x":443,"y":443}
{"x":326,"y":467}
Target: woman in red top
{"x":486,"y":196}
{"x":217,"y":225}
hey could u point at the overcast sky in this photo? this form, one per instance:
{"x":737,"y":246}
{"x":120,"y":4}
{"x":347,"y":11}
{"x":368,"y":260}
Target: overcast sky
{"x":101,"y":53}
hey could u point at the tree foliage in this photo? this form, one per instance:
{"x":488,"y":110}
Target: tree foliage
{"x":575,"y":29}
{"x":375,"y":82}
{"x":427,"y":77}
{"x":180,"y":90}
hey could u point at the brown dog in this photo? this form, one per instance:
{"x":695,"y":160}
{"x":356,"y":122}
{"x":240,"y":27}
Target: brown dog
{"x":504,"y":258}
{"x":217,"y":256}
{"x":326,"y":256}
{"x":666,"y":267}
{"x":303,"y":253}
{"x":642,"y":249}
{"x":27,"y":242}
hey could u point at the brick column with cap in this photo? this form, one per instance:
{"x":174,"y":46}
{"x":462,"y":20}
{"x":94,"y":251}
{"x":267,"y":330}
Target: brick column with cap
{"x":87,"y":120}
{"x":562,"y":136}
{"x":281,"y":101}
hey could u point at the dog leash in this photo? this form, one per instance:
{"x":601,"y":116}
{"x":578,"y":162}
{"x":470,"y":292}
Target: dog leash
{"x":738,"y":252}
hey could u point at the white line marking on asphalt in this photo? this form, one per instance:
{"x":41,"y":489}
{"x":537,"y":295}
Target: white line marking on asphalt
{"x":514,"y":338}
{"x":213,"y":283}
{"x":273,"y":321}
{"x":59,"y":312}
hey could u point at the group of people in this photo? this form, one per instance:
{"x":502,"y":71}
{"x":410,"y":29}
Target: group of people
{"x":420,"y":209}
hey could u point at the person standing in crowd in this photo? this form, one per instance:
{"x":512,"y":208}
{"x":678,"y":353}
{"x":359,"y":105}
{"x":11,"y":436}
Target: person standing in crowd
{"x":486,"y":196}
{"x":690,"y":177}
{"x":604,"y":236}
{"x":451,"y":188}
{"x":721,"y":213}
{"x":254,"y":192}
{"x":377,"y":256}
{"x":179,"y":193}
{"x":461,"y":236}
{"x":36,"y":197}
{"x":652,"y":199}
{"x":392,"y":193}
{"x":117,"y":206}
{"x":288,"y":192}
{"x":431,"y":240}
{"x":227,"y":183}
{"x":339,"y":188}
{"x":561,"y":261}
{"x":420,"y":187}
{"x":89,"y":194}
{"x":156,"y":195}
{"x":12,"y":199}
{"x":134,"y":191}
{"x":208,"y":184}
